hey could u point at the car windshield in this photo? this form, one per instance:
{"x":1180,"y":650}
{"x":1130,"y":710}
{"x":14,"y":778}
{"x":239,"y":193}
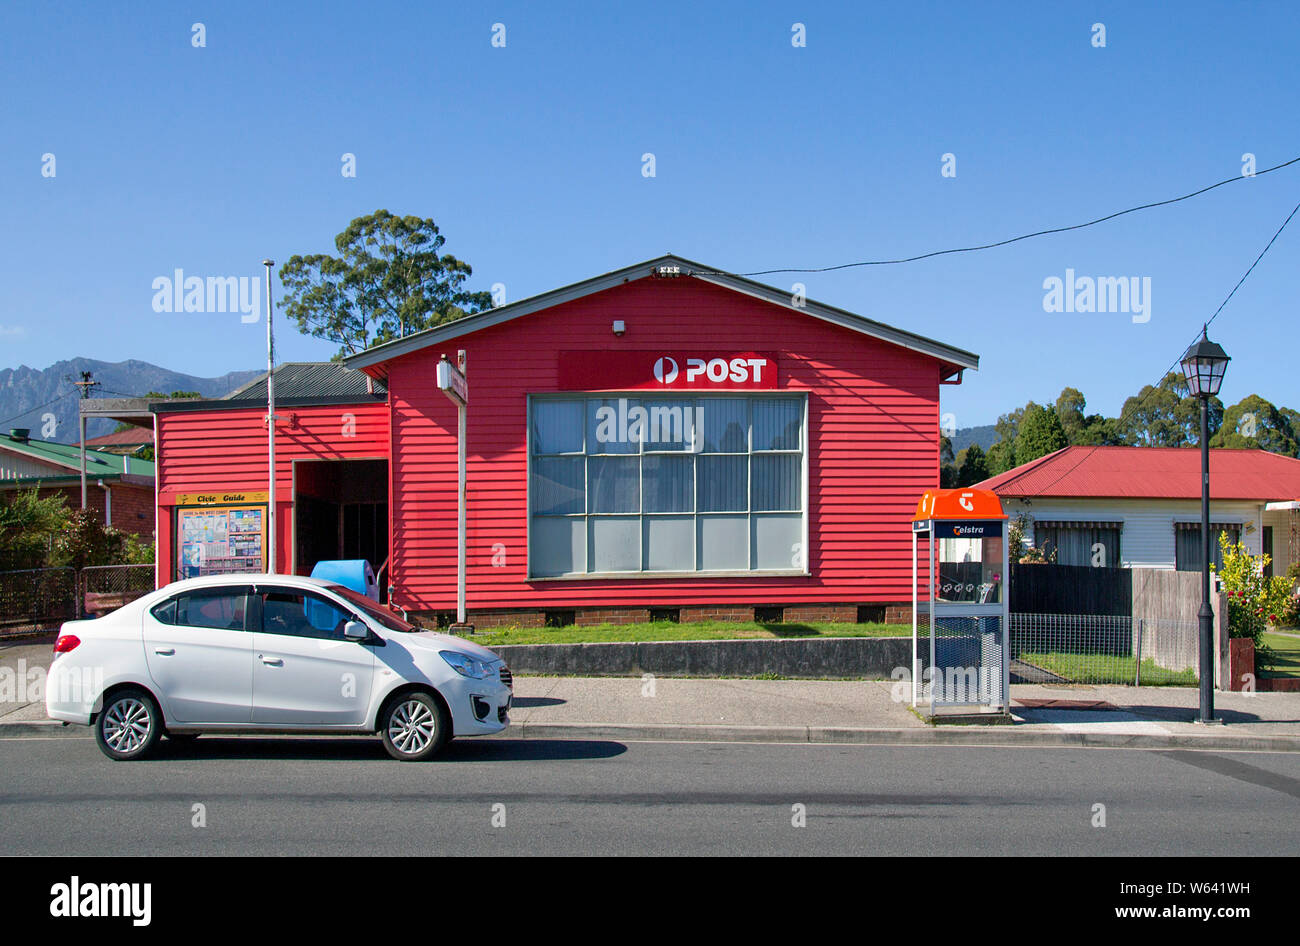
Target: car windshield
{"x":385,"y":617}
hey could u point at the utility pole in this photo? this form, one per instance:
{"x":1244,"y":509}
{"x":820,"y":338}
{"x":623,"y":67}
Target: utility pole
{"x":86,"y":384}
{"x":270,"y":425}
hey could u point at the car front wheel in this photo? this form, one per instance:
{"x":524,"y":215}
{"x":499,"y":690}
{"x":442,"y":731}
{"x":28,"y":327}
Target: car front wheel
{"x":129,"y":726}
{"x":414,"y":727}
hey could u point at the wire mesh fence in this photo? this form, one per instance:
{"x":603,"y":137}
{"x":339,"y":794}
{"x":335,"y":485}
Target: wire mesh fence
{"x":105,"y":588}
{"x":35,"y":599}
{"x":40,"y":599}
{"x":1091,"y":648}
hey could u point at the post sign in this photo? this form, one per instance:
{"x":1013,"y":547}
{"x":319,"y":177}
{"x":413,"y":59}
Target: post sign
{"x":672,"y":371}
{"x":452,"y":382}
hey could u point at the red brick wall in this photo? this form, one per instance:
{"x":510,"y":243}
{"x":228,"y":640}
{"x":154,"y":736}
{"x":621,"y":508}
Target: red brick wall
{"x":841,"y":613}
{"x":715,"y":613}
{"x":128,"y":501}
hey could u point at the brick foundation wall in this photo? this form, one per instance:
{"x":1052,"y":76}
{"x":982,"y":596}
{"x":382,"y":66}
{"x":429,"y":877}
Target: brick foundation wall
{"x":898,"y":614}
{"x":506,"y":618}
{"x":715,"y":613}
{"x":586,"y":617}
{"x":821,"y":613}
{"x":589,"y":617}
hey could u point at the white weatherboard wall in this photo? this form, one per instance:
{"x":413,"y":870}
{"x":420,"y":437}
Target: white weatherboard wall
{"x":1280,"y":520}
{"x":1147,"y":539}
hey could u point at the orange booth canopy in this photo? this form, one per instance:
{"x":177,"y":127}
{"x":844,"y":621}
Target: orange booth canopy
{"x":958,"y":504}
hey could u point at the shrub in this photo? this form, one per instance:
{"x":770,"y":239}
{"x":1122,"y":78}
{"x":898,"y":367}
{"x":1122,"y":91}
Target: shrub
{"x":1254,"y":600}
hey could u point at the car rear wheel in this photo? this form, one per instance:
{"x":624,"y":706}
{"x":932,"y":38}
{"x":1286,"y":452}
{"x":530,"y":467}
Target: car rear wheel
{"x":414,"y":727}
{"x":129,"y":725}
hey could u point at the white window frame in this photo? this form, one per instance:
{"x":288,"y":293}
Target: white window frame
{"x":801,"y":397}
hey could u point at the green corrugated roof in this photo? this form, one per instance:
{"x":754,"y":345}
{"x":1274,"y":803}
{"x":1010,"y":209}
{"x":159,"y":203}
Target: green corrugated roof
{"x":98,"y":463}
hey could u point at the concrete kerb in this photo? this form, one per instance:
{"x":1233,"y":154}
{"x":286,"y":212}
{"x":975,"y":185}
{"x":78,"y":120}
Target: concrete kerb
{"x":994,"y":737}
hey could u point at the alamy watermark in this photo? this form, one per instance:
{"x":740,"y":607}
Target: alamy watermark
{"x":1128,"y":294}
{"x":657,"y":424}
{"x":181,"y":293}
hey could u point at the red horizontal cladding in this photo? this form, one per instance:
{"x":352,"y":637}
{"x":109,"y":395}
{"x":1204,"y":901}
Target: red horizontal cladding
{"x":226,"y":449}
{"x":874,"y":448}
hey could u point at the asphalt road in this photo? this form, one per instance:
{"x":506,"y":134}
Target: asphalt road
{"x":344,"y":796}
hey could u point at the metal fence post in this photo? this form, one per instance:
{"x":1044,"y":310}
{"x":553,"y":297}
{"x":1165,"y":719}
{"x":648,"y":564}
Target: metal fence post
{"x":1137,"y":657}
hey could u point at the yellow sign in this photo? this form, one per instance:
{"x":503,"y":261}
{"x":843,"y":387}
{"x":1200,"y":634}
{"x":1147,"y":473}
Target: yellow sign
{"x":212,"y":499}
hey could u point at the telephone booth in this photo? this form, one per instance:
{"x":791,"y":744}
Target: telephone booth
{"x":959,"y":596}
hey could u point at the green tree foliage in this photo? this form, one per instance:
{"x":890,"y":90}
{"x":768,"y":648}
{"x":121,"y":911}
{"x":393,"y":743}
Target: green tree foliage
{"x":38,"y":532}
{"x":1166,"y":415}
{"x":28,"y":525}
{"x":1040,"y":433}
{"x":1254,"y":422}
{"x":972,"y":466}
{"x":1001,"y":457}
{"x":388,"y":281}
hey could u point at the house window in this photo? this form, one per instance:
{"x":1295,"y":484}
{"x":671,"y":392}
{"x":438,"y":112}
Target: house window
{"x":1080,"y":543}
{"x":647,"y":485}
{"x":1187,"y":544}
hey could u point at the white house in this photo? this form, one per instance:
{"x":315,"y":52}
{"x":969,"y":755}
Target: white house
{"x":1140,"y":507}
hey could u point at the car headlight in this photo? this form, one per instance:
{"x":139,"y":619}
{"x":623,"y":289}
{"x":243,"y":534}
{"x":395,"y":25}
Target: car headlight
{"x":466,"y":665}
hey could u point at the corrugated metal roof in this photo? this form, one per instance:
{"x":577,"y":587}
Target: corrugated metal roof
{"x":68,"y":456}
{"x":308,"y":379}
{"x":131,"y":437}
{"x":1151,"y":473}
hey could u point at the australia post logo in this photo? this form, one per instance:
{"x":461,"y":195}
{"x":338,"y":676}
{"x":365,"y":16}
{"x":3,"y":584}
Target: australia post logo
{"x":677,"y":371}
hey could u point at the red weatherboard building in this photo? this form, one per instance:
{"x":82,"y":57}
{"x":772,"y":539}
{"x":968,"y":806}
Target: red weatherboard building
{"x":655,"y":439}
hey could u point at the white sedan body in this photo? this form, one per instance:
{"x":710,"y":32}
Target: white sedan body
{"x":273,"y":671}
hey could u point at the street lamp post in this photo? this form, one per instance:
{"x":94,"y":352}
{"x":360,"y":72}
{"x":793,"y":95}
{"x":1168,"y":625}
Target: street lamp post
{"x":1204,"y":364}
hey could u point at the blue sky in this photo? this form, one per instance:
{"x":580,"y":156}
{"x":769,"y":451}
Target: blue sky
{"x":767,"y":155}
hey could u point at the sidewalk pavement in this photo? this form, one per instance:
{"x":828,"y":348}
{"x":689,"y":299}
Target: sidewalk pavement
{"x":824,"y":711}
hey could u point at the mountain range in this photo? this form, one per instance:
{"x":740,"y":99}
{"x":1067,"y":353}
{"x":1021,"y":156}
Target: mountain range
{"x":45,"y":400}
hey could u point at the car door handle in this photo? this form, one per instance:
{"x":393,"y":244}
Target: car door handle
{"x":273,"y":661}
{"x":165,"y":651}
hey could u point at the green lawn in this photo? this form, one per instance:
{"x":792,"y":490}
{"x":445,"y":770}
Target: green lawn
{"x":1098,"y":668}
{"x":1287,"y":650}
{"x":665,"y":631}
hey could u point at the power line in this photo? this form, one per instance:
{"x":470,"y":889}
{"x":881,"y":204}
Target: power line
{"x":1142,"y":398}
{"x":32,"y":410}
{"x":989,"y":246}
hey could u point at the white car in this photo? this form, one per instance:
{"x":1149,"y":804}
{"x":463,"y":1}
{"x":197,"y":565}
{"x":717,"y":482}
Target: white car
{"x":271,"y":654}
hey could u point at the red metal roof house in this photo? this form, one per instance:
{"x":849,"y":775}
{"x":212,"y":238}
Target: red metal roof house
{"x":1142,"y":505}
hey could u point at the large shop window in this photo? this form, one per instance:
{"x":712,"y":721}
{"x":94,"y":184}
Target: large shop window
{"x":671,"y":484}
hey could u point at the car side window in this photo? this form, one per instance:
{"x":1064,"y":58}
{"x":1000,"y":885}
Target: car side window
{"x":220,"y":609}
{"x":165,"y":613}
{"x":296,"y":613}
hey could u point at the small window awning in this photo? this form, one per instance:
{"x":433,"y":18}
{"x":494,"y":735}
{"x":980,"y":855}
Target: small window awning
{"x":1077,"y":524}
{"x":1196,"y":526}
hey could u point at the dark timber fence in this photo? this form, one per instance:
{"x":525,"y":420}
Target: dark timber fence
{"x":1071,"y":589}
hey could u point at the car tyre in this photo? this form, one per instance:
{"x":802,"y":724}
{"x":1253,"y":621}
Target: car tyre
{"x":129,"y":725}
{"x":414,"y":727}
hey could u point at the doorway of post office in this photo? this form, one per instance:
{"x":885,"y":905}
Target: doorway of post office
{"x":340,"y":511}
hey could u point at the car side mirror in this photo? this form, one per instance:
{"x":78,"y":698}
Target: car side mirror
{"x":355,"y":631}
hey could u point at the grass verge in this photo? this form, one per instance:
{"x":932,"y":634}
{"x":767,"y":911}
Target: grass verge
{"x":1102,"y":668}
{"x":1286,"y":650}
{"x":666,"y":631}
